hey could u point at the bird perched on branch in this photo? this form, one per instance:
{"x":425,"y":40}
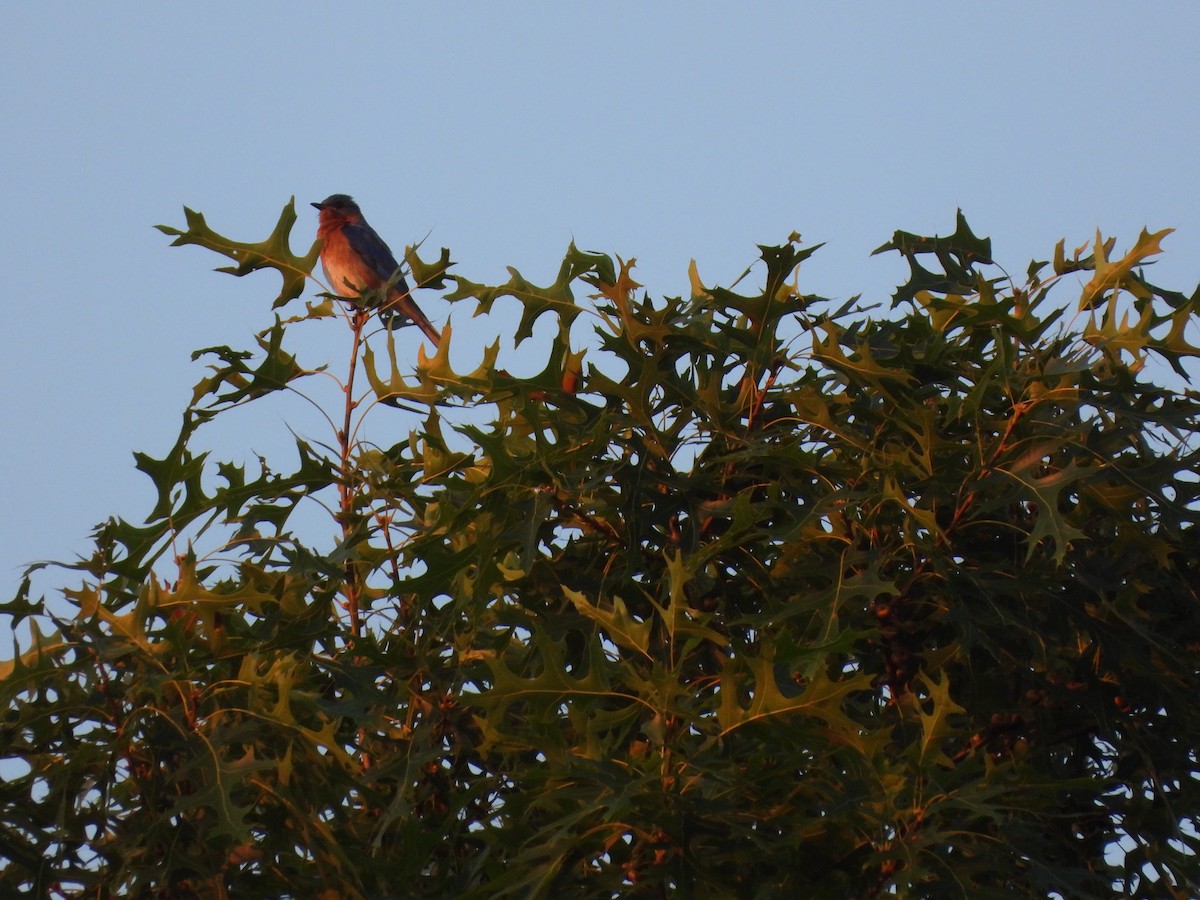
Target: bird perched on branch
{"x":357,"y":261}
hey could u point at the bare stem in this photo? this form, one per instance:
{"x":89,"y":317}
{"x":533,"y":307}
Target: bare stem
{"x":346,"y":486}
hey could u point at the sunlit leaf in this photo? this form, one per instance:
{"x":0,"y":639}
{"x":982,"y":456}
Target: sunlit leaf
{"x":273,"y":253}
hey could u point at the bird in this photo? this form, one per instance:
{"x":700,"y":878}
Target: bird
{"x":356,"y":261}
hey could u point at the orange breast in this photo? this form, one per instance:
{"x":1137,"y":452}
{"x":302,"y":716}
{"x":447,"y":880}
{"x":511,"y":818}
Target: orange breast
{"x":345,"y":274}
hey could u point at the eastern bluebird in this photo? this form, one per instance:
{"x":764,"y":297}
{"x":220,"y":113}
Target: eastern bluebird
{"x":356,"y":260}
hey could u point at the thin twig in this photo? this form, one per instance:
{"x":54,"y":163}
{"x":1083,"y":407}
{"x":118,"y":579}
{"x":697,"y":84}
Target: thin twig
{"x":346,"y":488}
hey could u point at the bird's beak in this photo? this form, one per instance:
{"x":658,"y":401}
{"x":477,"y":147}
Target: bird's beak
{"x":317,"y":205}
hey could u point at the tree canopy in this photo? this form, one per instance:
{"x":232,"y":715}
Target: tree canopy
{"x":747,"y":593}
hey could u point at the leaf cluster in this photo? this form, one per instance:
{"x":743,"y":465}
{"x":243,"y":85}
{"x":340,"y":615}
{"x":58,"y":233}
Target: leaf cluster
{"x":758,"y":597}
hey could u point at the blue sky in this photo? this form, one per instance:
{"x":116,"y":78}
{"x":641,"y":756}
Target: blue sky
{"x":665,"y":131}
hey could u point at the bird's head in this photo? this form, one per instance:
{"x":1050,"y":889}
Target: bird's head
{"x":340,"y":205}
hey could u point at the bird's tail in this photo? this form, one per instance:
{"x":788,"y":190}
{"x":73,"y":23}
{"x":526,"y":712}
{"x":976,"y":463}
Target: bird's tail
{"x":401,"y":304}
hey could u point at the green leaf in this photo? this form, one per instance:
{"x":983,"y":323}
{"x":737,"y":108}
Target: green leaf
{"x":819,"y":697}
{"x":1118,"y":275}
{"x":1045,"y":491}
{"x":958,"y":254}
{"x":273,"y":253}
{"x":428,"y":275}
{"x":275,"y":371}
{"x":620,"y":627}
{"x":556,"y":297}
{"x":934,"y":712}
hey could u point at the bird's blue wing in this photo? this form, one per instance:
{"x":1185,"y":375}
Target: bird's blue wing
{"x":371,"y":249}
